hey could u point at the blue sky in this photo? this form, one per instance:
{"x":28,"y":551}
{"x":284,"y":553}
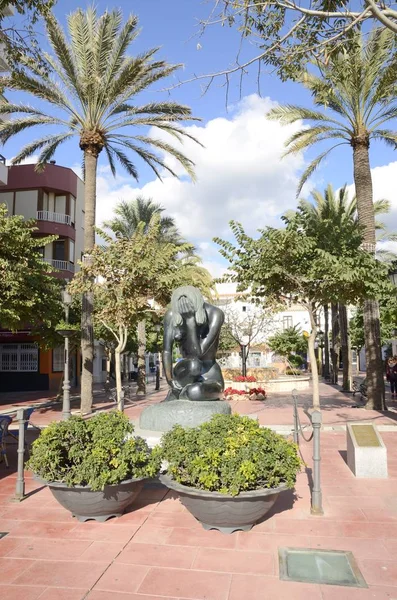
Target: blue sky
{"x":172,"y":25}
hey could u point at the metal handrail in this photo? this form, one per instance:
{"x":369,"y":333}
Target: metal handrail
{"x":61,"y":265}
{"x":54,"y":217}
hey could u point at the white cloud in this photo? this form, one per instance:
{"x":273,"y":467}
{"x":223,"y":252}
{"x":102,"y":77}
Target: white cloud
{"x":240,"y":176}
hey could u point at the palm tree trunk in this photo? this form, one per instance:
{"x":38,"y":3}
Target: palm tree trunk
{"x":335,"y":343}
{"x":365,"y":209}
{"x":141,"y":389}
{"x":326,"y":342}
{"x":346,"y":349}
{"x":87,"y":326}
{"x":313,"y":360}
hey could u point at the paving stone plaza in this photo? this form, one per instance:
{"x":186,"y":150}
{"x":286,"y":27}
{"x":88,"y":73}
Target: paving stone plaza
{"x":157,"y":550}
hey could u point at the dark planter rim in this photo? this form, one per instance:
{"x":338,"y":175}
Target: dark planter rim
{"x":61,"y":484}
{"x":179,"y":487}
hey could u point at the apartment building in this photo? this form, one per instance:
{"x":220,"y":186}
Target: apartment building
{"x":55,"y":200}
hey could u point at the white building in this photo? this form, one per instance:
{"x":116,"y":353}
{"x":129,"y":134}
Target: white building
{"x":264,"y":326}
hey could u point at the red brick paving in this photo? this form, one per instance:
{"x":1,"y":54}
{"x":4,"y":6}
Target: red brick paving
{"x":158,"y":551}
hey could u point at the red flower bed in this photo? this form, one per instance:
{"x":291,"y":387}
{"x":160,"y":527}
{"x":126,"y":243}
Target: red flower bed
{"x":241,"y":379}
{"x":257,"y":391}
{"x":232,"y":392}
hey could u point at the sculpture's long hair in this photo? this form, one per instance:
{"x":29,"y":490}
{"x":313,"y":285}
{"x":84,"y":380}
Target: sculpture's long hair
{"x":195,"y":298}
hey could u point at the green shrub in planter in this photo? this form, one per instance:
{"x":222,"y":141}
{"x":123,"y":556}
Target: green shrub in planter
{"x":97,"y":452}
{"x":230,"y":454}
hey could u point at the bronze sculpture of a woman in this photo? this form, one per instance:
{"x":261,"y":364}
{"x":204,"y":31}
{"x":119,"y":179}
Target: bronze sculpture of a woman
{"x":195,"y":326}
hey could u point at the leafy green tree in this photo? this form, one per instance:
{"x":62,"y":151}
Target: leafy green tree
{"x":286,"y":265}
{"x":357,"y":87}
{"x":288,"y":343}
{"x":91,"y":93}
{"x":140,"y":211}
{"x":20,"y":42}
{"x":284,"y":34}
{"x":126,"y":276}
{"x":332,"y":218}
{"x":30,"y":295}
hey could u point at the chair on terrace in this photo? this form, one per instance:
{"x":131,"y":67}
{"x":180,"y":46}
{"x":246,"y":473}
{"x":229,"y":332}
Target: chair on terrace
{"x":5,"y":421}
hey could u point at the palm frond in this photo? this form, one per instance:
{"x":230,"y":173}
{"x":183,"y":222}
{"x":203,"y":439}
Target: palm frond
{"x":312,"y":167}
{"x":31,"y":148}
{"x":10,"y":128}
{"x":290,"y":114}
{"x":186,"y":163}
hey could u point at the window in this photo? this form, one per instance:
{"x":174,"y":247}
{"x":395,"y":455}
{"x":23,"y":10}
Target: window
{"x":72,"y":208}
{"x":71,"y":251}
{"x":287,"y":322}
{"x":60,"y":204}
{"x":58,"y":358}
{"x":59,"y":250}
{"x":19,"y":357}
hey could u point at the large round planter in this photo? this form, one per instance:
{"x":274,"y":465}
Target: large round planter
{"x":223,"y":512}
{"x":84,"y":504}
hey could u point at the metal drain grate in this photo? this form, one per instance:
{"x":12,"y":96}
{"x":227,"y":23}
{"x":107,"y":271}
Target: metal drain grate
{"x":331,"y":567}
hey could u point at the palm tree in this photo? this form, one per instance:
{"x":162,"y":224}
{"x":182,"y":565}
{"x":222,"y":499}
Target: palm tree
{"x":90,"y":86}
{"x":357,"y":89}
{"x":128,"y":217}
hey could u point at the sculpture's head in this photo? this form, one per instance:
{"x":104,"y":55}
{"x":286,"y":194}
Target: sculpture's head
{"x":187,"y":299}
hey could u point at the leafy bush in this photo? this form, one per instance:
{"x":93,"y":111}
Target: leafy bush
{"x":230,"y":454}
{"x":293,"y":372}
{"x":242,"y":379}
{"x":94,"y":452}
{"x":260,"y":373}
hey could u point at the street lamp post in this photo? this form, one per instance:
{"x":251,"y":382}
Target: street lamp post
{"x":66,"y":301}
{"x":157,"y":328}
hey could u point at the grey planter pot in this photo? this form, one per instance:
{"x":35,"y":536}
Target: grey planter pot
{"x":84,"y":504}
{"x":223,"y":512}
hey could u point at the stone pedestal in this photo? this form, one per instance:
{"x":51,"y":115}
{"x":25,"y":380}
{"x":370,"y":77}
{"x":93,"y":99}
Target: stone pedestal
{"x":366,"y":452}
{"x":162,"y":417}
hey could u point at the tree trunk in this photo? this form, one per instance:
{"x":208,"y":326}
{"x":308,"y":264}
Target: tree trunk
{"x":335,"y":343}
{"x":313,"y":361}
{"x":87,"y":326}
{"x":326,"y":342}
{"x":108,"y":363}
{"x":365,"y":210}
{"x":119,"y":388}
{"x":346,"y":349}
{"x":141,"y":389}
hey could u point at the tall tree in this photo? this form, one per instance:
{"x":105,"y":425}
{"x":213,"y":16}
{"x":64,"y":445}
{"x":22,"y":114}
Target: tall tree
{"x":90,"y":88}
{"x":358,"y":88}
{"x":125,"y":276}
{"x":139,"y":212}
{"x":285,"y":34}
{"x":286,"y":265}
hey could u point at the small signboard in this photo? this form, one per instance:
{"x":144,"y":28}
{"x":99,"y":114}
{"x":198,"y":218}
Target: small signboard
{"x":366,"y":452}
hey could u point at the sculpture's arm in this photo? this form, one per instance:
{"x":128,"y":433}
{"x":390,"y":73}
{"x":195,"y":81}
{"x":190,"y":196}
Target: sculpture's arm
{"x":167,"y":347}
{"x":215,"y":322}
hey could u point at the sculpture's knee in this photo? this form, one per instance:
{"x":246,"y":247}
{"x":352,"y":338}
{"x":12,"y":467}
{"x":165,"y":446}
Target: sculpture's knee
{"x":200,"y":391}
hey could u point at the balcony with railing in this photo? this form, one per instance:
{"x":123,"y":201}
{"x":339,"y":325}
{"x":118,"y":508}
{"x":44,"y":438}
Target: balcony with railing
{"x":60,"y":265}
{"x":53,"y":217}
